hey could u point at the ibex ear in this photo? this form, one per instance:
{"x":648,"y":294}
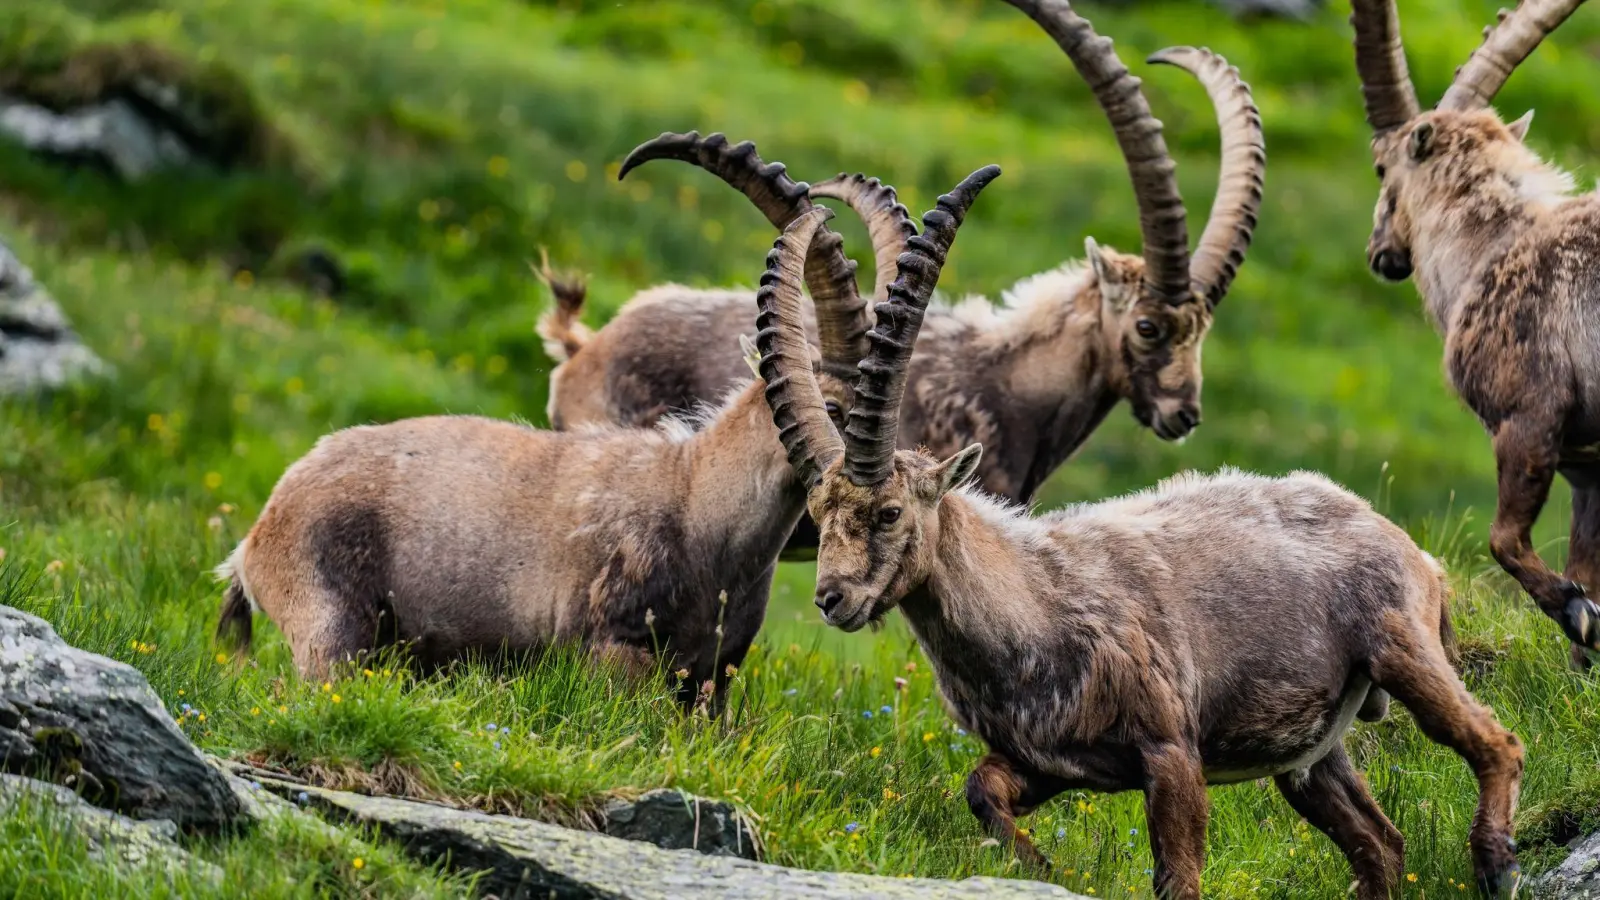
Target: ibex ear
{"x":958,"y":468}
{"x":1421,"y":141}
{"x":1116,"y":295}
{"x":1519,"y":128}
{"x":752,"y":356}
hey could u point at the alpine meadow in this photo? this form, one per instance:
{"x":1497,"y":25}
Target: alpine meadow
{"x":430,"y":151}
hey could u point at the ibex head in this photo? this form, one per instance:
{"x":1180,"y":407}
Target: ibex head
{"x":1160,"y":307}
{"x":1430,"y":163}
{"x":875,"y":506}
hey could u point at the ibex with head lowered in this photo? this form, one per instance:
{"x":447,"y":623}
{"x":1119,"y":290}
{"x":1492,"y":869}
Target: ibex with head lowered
{"x":1032,"y":379}
{"x":1507,"y":259}
{"x":458,"y":534}
{"x":1139,"y":643}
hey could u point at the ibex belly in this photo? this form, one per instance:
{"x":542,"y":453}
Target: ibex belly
{"x":1246,"y":748}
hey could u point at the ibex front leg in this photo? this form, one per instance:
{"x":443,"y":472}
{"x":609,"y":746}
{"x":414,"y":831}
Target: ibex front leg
{"x":1175,"y":809}
{"x":998,"y":791}
{"x":1526,"y":456}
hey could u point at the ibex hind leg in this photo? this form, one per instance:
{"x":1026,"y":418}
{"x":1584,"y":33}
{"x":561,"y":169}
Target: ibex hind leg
{"x":341,"y":634}
{"x":1583,"y":555}
{"x":1414,"y":668}
{"x":1527,"y":458}
{"x":1333,"y":797}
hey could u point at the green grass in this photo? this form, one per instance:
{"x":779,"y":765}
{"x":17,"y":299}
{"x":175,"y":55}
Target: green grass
{"x":436,"y":146}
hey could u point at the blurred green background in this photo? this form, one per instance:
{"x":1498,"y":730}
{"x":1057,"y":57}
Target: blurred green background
{"x":434,"y":146}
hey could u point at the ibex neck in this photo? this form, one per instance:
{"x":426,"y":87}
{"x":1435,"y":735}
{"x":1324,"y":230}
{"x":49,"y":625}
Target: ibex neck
{"x":1457,"y":245}
{"x":1050,"y":356}
{"x":741,"y":486}
{"x":991,"y":570}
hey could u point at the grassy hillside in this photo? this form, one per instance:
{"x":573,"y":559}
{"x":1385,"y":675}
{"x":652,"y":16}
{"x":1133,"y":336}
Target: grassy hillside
{"x":434,"y":146}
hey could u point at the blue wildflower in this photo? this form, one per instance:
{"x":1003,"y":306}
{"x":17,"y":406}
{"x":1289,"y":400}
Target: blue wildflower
{"x":303,"y":797}
{"x":1133,"y":832}
{"x":961,"y":731}
{"x":866,"y":714}
{"x":886,"y":710}
{"x":491,"y":727}
{"x":1061,"y":833}
{"x":851,"y":828}
{"x":1148,"y":872}
{"x":791,"y":692}
{"x":186,"y":707}
{"x":497,"y":745}
{"x":505,"y":729}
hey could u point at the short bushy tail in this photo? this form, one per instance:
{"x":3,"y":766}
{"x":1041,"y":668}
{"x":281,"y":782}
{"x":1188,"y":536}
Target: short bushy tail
{"x":559,"y":327}
{"x":234,"y":625}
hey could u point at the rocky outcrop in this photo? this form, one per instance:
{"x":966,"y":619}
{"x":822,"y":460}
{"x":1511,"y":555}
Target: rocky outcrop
{"x":676,"y":821}
{"x":526,"y":859}
{"x":131,"y":843}
{"x":93,"y":724}
{"x":112,"y":134}
{"x":1577,"y":878}
{"x":38,"y":349}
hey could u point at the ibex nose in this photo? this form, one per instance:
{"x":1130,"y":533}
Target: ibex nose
{"x":828,"y":600}
{"x":1189,"y":415}
{"x":1392,"y":265}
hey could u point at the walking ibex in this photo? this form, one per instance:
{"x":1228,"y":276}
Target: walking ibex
{"x":1507,"y":258}
{"x":1138,"y":643}
{"x":1032,"y":379}
{"x":459,"y":534}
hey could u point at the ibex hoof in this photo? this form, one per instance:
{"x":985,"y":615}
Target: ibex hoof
{"x":1581,"y":620}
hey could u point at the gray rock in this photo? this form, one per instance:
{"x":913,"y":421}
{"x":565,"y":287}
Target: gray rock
{"x":110,"y":836}
{"x":112,"y":133}
{"x":38,"y":349}
{"x":94,"y":724}
{"x":1577,"y":878}
{"x":525,"y":859}
{"x":677,"y":821}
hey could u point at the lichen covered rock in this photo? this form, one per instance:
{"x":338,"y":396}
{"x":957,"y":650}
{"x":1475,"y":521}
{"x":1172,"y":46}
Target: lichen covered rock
{"x":93,"y":724}
{"x":38,"y":349}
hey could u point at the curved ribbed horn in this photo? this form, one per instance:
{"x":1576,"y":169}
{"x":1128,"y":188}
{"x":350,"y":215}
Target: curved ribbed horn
{"x":873,"y":427}
{"x":1381,"y":64}
{"x":888,"y":223}
{"x":1162,"y":221}
{"x":797,"y":406}
{"x":1239,"y":184}
{"x":831,"y":276}
{"x":1505,"y":45}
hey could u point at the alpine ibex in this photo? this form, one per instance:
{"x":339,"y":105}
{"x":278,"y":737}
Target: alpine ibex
{"x":1507,"y":258}
{"x":460,"y":534}
{"x":1138,"y":643}
{"x":1031,"y":379}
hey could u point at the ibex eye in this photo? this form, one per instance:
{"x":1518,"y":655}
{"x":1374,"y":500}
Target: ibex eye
{"x":1381,"y":172}
{"x":1147,"y":329}
{"x":888,"y":515}
{"x":832,"y":409}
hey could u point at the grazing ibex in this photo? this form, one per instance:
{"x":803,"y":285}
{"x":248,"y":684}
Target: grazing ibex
{"x":1138,"y":643}
{"x":1507,"y":259}
{"x":1031,"y":379}
{"x":460,"y":534}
